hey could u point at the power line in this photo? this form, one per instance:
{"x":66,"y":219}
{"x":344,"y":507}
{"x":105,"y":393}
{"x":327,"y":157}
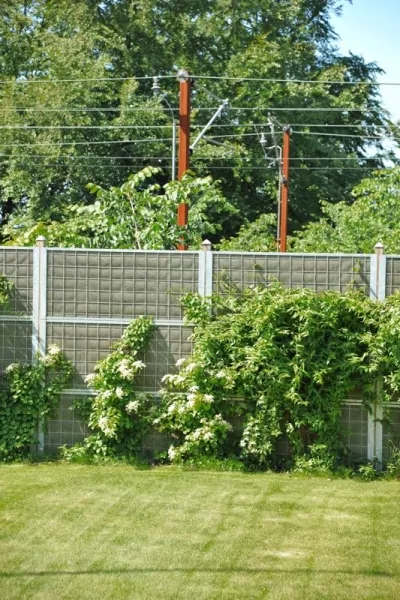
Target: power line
{"x":25,"y":81}
{"x":349,"y":135}
{"x":74,"y":158}
{"x":197,"y":109}
{"x":87,"y":109}
{"x":83,"y":80}
{"x":248,"y":168}
{"x":77,"y":127}
{"x":85,"y":143}
{"x":311,"y":81}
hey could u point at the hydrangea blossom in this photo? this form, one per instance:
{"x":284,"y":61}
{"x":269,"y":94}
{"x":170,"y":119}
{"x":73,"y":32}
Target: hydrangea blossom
{"x":180,"y":362}
{"x":54,"y":350}
{"x":104,"y":426}
{"x":119,"y":392}
{"x":90,"y":378}
{"x":138,"y":364}
{"x":171,"y":453}
{"x":132,"y":406}
{"x":125,"y":370}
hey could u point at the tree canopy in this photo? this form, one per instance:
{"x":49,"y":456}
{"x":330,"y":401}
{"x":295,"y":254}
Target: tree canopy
{"x":75,"y":109}
{"x":373,"y":217}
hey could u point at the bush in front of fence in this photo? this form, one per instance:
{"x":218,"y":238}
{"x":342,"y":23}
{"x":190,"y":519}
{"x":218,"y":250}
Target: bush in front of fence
{"x":118,"y":415}
{"x":270,"y":366}
{"x":281,"y":362}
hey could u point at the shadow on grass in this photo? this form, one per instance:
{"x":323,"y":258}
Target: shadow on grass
{"x":365,"y":572}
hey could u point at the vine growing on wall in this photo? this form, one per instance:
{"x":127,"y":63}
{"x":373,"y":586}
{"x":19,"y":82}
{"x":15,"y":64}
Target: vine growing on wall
{"x":282,"y":362}
{"x":118,"y":415}
{"x":27,"y":396}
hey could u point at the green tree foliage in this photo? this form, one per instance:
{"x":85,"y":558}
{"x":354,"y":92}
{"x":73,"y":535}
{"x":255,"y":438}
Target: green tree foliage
{"x":258,"y":236}
{"x":140,"y":214}
{"x":373,"y":217}
{"x":52,"y":145}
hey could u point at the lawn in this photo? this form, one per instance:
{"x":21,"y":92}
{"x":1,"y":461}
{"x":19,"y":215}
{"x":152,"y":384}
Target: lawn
{"x":82,"y":532}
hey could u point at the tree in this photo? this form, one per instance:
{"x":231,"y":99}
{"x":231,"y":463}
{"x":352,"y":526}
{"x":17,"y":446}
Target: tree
{"x":373,"y":217}
{"x":259,"y":236}
{"x":100,"y":126}
{"x":140,"y":214}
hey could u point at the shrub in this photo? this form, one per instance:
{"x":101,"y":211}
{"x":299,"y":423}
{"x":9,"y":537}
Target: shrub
{"x":118,"y":415}
{"x":282,"y":361}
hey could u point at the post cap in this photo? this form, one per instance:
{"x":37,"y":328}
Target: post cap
{"x":379,"y":248}
{"x":41,"y":241}
{"x":206,"y":245}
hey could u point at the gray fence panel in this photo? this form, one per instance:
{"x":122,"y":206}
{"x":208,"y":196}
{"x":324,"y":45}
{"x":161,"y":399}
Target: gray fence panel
{"x":391,"y":433}
{"x":101,"y":283}
{"x":392,"y":275}
{"x":64,"y":427}
{"x":85,"y":344}
{"x":316,"y":272}
{"x":355,"y":422}
{"x":17,"y":265}
{"x":15,"y":342}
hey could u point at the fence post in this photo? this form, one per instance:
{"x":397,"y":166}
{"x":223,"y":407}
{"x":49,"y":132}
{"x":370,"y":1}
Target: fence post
{"x":378,"y":292}
{"x":205,"y":288}
{"x":39,"y":303}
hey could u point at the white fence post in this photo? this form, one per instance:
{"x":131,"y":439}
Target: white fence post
{"x":206,"y":269}
{"x":378,"y":292}
{"x":39,"y":306}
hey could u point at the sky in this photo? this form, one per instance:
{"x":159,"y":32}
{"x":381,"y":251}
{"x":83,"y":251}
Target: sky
{"x":371,"y":28}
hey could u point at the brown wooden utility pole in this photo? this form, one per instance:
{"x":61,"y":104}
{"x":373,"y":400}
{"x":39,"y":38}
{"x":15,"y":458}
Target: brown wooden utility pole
{"x":184,"y":149}
{"x":285,"y":189}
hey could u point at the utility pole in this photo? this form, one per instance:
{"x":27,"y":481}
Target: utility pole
{"x":285,"y":189}
{"x":184,"y":143}
{"x":278,"y":158}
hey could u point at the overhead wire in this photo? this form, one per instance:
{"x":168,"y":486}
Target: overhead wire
{"x":310,"y":81}
{"x":22,"y":81}
{"x":82,"y":80}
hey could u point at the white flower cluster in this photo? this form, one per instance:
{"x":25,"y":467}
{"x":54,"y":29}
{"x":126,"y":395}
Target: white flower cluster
{"x":119,"y":392}
{"x":54,"y":350}
{"x":128,"y":369}
{"x":105,"y":428}
{"x":11,"y":368}
{"x":132,"y":406}
{"x":89,"y":379}
{"x":173,"y":379}
{"x":206,"y":433}
{"x":172,"y":453}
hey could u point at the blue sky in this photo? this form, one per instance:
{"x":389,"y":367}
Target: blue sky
{"x":372,"y":28}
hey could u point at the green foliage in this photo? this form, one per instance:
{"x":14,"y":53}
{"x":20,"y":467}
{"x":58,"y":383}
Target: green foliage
{"x":259,"y":236}
{"x":119,"y":415}
{"x":367,"y":472}
{"x":281,"y":361}
{"x":318,"y":461}
{"x":373,"y":217}
{"x":27,"y":396}
{"x":6,"y":287}
{"x":393,"y":465}
{"x":140,"y":214}
{"x":53,"y":145}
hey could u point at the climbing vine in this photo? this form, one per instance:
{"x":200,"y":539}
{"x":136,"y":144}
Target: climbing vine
{"x":27,"y":396}
{"x":279,"y":362}
{"x":118,"y":415}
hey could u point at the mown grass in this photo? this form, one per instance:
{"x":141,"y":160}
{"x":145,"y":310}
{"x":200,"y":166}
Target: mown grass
{"x":78,"y":532}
